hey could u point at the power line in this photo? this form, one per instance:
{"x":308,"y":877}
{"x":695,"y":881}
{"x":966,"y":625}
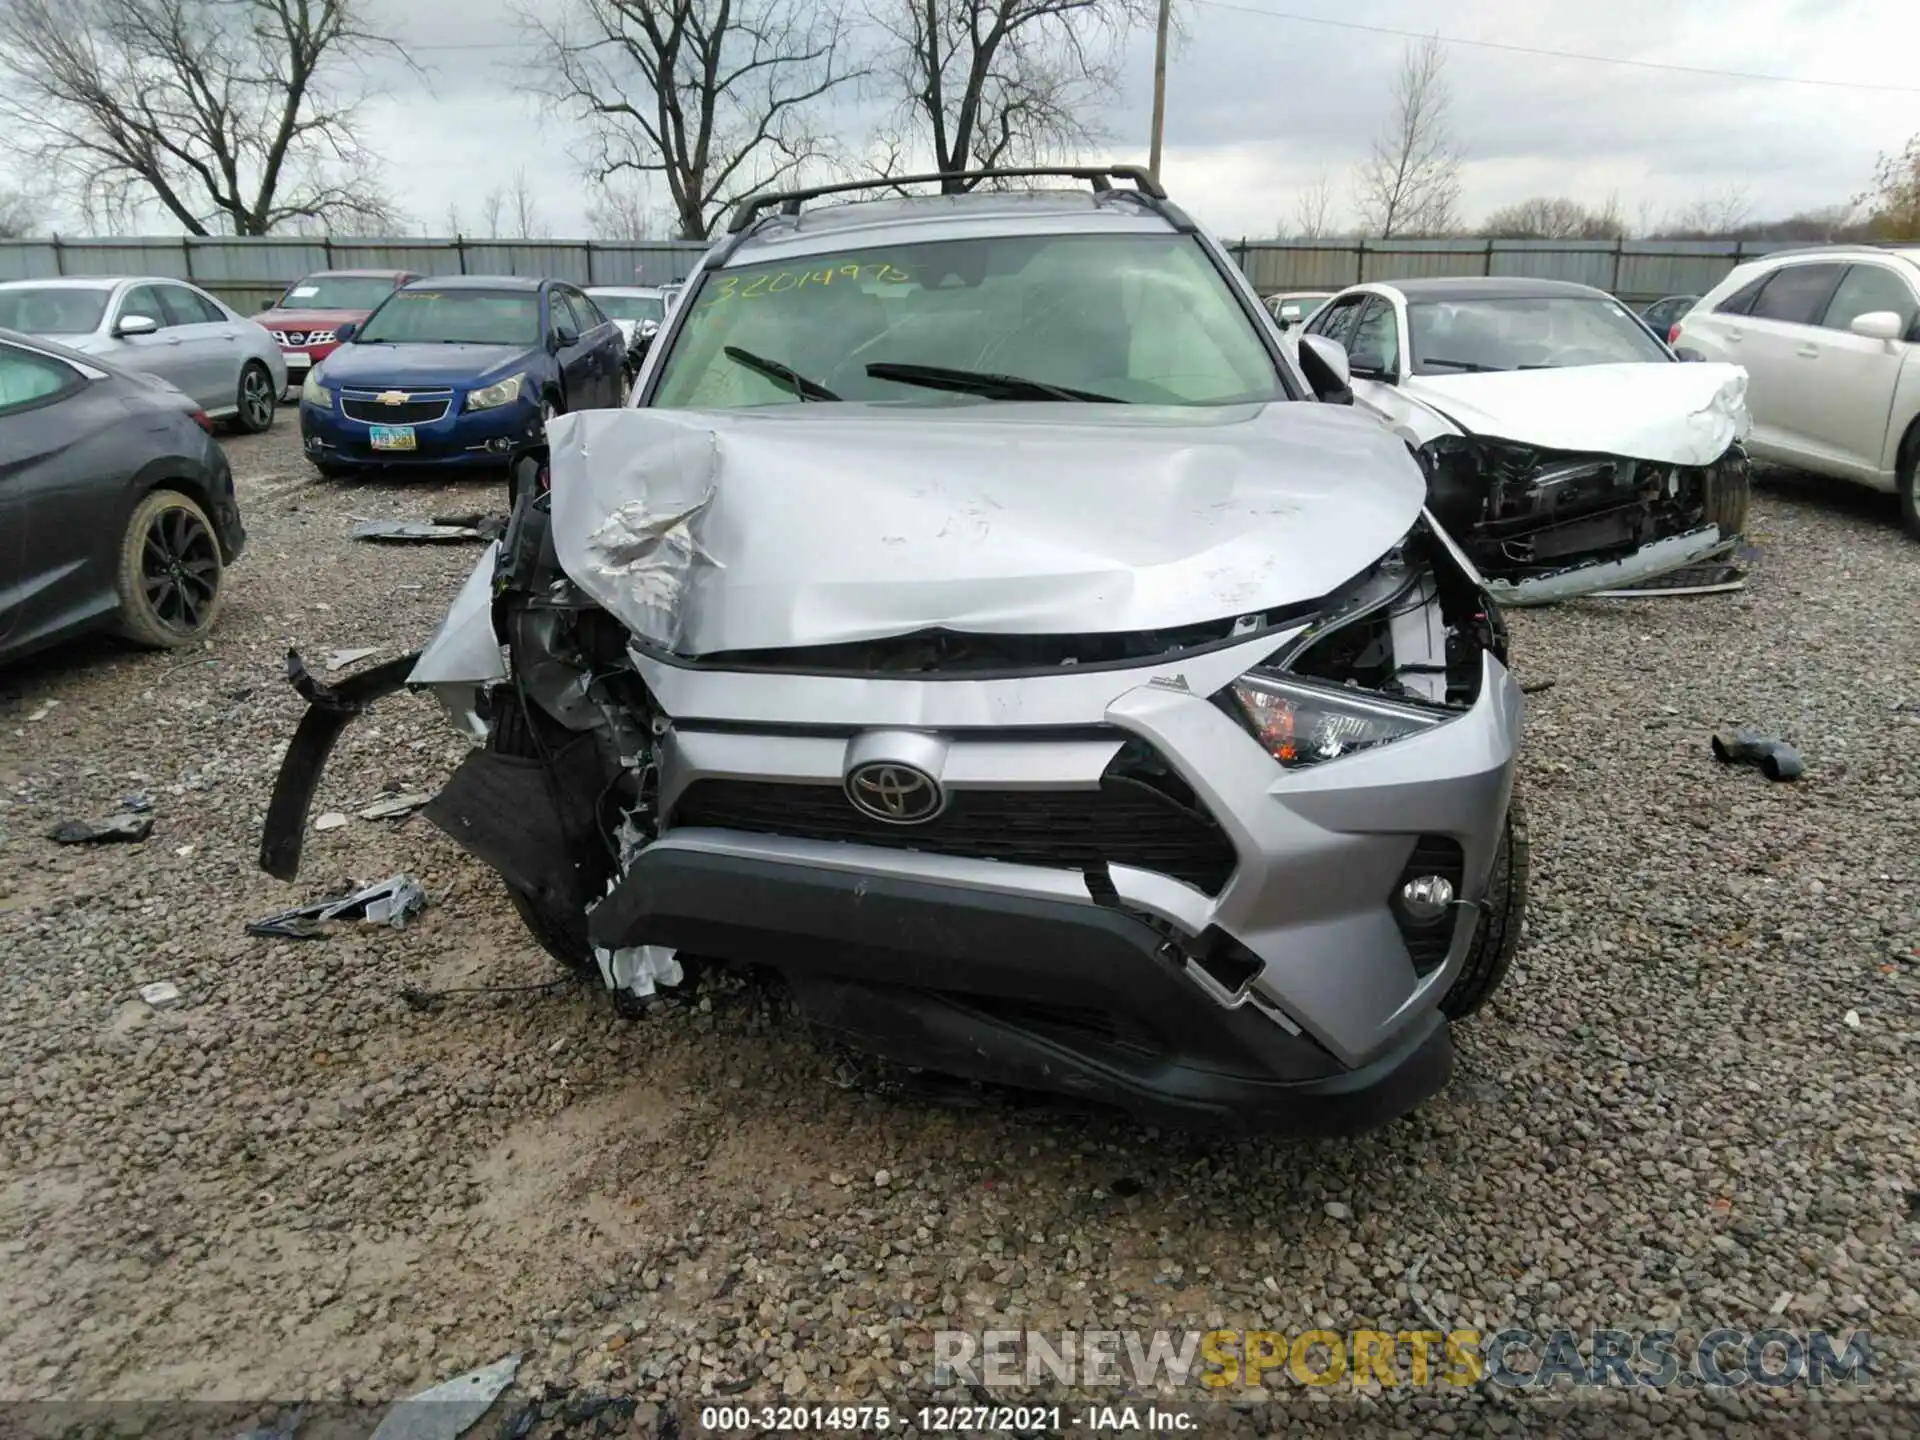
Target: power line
{"x":1558,"y":54}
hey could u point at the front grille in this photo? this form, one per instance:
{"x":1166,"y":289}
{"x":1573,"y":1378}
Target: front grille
{"x":421,"y":407}
{"x":1428,"y":943}
{"x":1119,"y":824}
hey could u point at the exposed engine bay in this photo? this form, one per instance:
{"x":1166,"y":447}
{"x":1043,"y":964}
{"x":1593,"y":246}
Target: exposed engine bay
{"x":1529,"y":514}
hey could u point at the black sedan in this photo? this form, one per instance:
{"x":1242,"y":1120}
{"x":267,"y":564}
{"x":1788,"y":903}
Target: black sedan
{"x":117,"y":508}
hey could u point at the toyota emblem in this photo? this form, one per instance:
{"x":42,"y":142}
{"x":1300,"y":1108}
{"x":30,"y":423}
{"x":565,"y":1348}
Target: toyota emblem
{"x":898,"y":794}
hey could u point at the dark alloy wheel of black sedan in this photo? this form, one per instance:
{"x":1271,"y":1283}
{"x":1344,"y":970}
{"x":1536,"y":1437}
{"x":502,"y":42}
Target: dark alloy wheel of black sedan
{"x":117,"y":507}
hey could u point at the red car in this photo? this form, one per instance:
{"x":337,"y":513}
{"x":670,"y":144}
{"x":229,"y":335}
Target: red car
{"x":313,"y":309}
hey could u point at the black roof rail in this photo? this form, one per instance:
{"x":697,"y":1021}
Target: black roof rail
{"x":1100,"y":176}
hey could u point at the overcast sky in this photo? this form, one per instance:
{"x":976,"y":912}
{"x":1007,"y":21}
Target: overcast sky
{"x":1259,"y":105}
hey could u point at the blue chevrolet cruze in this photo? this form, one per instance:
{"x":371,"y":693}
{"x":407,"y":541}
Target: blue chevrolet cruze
{"x":458,"y":371}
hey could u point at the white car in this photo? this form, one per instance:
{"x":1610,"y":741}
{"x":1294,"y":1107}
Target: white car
{"x":631,"y":307}
{"x":1293,"y":307}
{"x":1830,"y":341}
{"x":1567,"y":450}
{"x":230,"y":366}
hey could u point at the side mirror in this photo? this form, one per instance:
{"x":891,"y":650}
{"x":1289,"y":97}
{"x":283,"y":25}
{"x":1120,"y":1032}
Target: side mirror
{"x":1324,"y":362}
{"x":1878,"y":325}
{"x":1369,"y":366}
{"x":648,"y":328}
{"x":564,"y":337}
{"x":345,"y":331}
{"x":138,"y":325}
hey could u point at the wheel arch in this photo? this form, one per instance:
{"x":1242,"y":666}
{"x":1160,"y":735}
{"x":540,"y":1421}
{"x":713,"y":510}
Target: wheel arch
{"x":169,"y":472}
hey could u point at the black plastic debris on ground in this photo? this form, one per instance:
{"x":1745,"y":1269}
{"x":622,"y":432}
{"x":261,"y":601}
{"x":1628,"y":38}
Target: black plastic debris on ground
{"x":441,"y":530}
{"x":1775,"y":758}
{"x":123,"y":829}
{"x":1716,"y":577}
{"x":393,"y":901}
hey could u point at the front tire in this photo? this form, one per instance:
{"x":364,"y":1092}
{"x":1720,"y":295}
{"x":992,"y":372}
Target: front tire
{"x":256,"y":400}
{"x":169,"y":576}
{"x":1502,"y":915}
{"x":1730,"y":502}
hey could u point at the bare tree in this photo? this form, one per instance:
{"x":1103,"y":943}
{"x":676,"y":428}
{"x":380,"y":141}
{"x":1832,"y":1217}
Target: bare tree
{"x":523,"y":218}
{"x":1893,"y":202}
{"x":19,"y":214}
{"x":1410,"y":182}
{"x":1723,"y":213}
{"x":1555,"y":218}
{"x":624,"y":212}
{"x":492,"y":205}
{"x":1002,"y":83}
{"x":714,"y":96}
{"x":1313,"y":210}
{"x":232,"y":115}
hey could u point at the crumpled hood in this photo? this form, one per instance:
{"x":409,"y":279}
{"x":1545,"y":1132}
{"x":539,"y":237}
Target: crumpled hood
{"x":710,"y":531}
{"x":423,"y":364}
{"x":1678,"y":414}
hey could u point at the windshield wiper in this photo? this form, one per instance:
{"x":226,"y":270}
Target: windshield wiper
{"x":982,"y":383}
{"x":784,"y":375}
{"x":1461,"y":364}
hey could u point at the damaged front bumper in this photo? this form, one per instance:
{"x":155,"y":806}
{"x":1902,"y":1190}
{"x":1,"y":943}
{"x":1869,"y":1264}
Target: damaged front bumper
{"x":1282,"y":994}
{"x":1543,"y":526}
{"x":1662,"y":557}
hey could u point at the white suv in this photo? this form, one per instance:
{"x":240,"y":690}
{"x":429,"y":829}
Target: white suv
{"x":1830,"y":339}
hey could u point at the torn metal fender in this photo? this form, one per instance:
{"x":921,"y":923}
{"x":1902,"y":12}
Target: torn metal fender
{"x":330,"y":709}
{"x":465,"y":650}
{"x":1644,"y":564}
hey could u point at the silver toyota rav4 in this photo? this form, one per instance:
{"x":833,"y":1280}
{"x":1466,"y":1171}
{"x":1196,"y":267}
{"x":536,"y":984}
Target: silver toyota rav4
{"x":980,"y":619}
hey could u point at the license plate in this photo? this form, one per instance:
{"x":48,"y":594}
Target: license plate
{"x":393,"y":437}
{"x":297,"y":359}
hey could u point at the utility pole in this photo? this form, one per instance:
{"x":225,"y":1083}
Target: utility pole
{"x":1159,"y":88}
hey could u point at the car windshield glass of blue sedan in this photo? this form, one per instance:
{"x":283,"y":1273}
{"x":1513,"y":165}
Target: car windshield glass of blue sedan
{"x":455,"y":317}
{"x":53,"y":309}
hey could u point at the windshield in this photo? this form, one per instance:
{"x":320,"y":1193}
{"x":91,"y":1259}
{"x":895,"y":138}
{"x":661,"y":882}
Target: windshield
{"x":455,"y":317}
{"x":1538,"y":332}
{"x":629,"y":307}
{"x":1139,"y":318}
{"x":53,"y":310}
{"x":338,"y":292}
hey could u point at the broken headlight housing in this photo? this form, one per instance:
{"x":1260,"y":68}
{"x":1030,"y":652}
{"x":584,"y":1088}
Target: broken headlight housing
{"x":1398,"y":650}
{"x":1302,"y":724}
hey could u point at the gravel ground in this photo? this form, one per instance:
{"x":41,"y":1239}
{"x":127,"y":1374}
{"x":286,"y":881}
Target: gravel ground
{"x":296,"y":1184}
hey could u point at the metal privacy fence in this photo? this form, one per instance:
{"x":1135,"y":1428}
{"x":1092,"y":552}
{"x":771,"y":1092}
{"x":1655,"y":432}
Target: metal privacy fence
{"x":250,"y":274}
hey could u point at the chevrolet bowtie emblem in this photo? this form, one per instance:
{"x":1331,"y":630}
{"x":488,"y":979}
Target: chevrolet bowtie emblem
{"x":392,"y":397}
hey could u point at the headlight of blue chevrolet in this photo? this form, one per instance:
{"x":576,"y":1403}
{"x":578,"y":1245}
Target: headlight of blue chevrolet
{"x":502,"y":392}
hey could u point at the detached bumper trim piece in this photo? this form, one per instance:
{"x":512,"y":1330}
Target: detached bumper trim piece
{"x":330,"y":709}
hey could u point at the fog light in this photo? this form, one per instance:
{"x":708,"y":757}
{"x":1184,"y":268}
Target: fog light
{"x":1427,"y":897}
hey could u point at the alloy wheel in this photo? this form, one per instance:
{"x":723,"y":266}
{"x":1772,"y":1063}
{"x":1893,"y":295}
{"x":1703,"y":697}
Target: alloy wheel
{"x":256,"y":397}
{"x":179,"y":570}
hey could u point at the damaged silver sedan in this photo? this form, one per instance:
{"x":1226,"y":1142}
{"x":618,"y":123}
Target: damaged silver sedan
{"x":1567,"y":450}
{"x":976,"y":620}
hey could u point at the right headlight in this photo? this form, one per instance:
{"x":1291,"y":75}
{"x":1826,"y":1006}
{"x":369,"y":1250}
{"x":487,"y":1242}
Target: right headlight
{"x":502,"y":392}
{"x":312,"y":392}
{"x":1302,"y":724}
